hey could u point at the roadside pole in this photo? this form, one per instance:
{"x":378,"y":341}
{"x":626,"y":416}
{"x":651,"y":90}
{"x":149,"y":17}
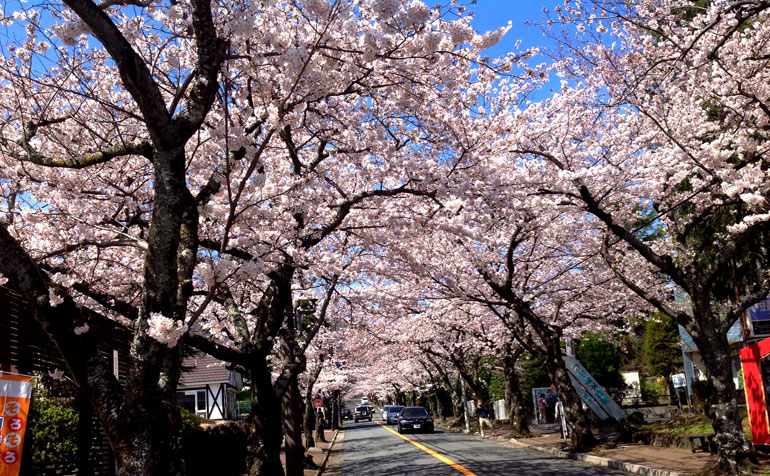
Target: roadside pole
{"x":465,"y":408}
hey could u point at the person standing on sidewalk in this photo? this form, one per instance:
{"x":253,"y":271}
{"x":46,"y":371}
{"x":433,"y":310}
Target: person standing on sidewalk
{"x":483,"y":413}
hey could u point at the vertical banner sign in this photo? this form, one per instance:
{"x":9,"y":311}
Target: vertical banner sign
{"x":15,"y":394}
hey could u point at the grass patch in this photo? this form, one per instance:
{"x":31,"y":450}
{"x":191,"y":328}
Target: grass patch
{"x":690,"y":424}
{"x":682,"y":425}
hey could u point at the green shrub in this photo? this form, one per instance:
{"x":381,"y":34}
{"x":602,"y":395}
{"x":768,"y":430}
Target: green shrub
{"x":243,"y":394}
{"x":653,"y":390}
{"x":51,"y":436}
{"x":701,"y":391}
{"x":219,"y":450}
{"x":189,"y":428}
{"x":601,"y":359}
{"x":635,"y":418}
{"x":496,"y":387}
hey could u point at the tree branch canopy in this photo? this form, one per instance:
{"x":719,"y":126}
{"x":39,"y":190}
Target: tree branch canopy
{"x":134,"y":72}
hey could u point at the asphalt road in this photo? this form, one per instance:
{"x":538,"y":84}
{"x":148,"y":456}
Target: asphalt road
{"x":371,"y":450}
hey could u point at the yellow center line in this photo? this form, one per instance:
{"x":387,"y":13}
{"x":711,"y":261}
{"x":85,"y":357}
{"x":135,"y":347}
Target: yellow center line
{"x":442,"y":458}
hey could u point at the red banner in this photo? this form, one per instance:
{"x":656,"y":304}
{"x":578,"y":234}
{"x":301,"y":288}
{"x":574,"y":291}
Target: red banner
{"x":15,"y":394}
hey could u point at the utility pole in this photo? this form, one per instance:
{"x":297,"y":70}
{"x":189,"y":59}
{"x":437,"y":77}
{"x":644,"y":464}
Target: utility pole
{"x":465,"y":407}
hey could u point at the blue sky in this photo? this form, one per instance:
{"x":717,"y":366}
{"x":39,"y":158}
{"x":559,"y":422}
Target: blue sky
{"x":492,"y":14}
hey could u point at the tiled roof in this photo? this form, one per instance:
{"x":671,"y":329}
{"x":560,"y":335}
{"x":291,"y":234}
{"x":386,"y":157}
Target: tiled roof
{"x":203,"y":369}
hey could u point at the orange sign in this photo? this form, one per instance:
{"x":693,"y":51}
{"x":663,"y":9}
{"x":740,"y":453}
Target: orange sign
{"x":15,"y":394}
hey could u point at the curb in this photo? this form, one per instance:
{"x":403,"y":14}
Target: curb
{"x":601,"y":461}
{"x":328,"y":453}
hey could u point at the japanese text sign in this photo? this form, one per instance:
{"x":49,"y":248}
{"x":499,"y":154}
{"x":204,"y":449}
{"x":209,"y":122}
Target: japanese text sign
{"x":15,"y":394}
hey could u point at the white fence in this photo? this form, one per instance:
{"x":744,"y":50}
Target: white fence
{"x":498,"y":407}
{"x":500,"y":411}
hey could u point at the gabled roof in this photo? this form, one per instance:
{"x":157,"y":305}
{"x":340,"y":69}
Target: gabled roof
{"x":203,"y":368}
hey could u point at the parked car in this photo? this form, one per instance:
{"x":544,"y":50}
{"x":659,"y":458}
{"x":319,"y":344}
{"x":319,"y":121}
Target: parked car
{"x":415,"y":419}
{"x":347,"y":414}
{"x":362,"y":413}
{"x":385,"y":412}
{"x":393,"y":411}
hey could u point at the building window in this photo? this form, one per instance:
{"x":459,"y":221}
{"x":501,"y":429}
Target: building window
{"x":193,"y":401}
{"x":231,"y":409}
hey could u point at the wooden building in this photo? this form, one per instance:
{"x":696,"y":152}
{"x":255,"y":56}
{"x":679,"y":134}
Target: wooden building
{"x":207,"y":388}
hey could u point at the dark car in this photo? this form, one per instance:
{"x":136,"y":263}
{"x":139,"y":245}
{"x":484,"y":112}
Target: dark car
{"x":393,"y":411}
{"x":362,"y":413}
{"x":347,"y":414}
{"x":415,"y":419}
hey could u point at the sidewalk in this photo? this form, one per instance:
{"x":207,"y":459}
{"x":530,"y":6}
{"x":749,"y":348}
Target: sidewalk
{"x":632,"y":457}
{"x":334,"y":464}
{"x":319,"y":452}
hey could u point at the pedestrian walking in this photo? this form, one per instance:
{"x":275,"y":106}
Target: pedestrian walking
{"x":483,"y":413}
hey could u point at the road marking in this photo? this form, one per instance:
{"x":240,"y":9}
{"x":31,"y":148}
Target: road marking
{"x":442,"y":458}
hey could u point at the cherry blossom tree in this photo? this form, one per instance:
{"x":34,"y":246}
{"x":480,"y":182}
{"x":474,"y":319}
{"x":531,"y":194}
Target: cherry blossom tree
{"x":172,"y":166}
{"x":658,"y":131}
{"x":88,"y":143}
{"x":539,"y":287}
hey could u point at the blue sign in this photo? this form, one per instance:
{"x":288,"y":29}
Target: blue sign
{"x":591,"y":392}
{"x":760,"y":311}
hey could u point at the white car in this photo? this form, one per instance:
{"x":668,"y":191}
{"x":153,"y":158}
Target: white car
{"x":364,"y":400}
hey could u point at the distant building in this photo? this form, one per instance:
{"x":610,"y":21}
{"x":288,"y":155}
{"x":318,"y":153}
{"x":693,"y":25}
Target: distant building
{"x":695,"y":369}
{"x":208,"y":388}
{"x":633,"y":394}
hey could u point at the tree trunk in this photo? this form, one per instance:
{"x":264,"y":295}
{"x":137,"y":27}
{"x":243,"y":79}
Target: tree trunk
{"x":422,"y":400}
{"x":292,"y":423}
{"x":148,"y":420}
{"x":336,"y":410}
{"x":721,"y":405}
{"x":85,"y":434}
{"x":479,"y":389}
{"x":457,"y":398}
{"x":439,"y":403}
{"x":672,"y":396}
{"x":309,"y":409}
{"x":265,"y":435}
{"x":445,"y":400}
{"x":150,"y":416}
{"x":579,"y":429}
{"x":148,"y":426}
{"x":144,"y":447}
{"x":399,"y":396}
{"x":453,"y":390}
{"x":309,"y":425}
{"x":514,"y":400}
